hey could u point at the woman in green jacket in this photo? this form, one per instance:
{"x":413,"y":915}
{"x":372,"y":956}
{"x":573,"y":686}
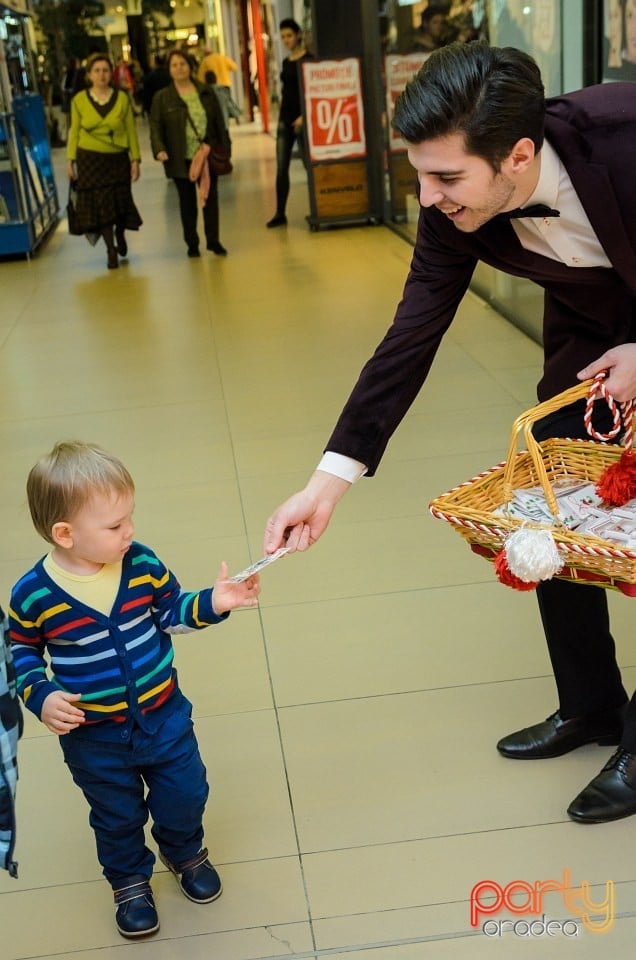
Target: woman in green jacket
{"x":103,"y":158}
{"x":183,"y":115}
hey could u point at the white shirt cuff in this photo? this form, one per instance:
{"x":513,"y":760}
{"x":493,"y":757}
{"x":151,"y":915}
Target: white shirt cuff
{"x":340,"y":466}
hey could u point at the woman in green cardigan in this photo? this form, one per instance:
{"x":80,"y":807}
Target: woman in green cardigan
{"x":103,"y":158}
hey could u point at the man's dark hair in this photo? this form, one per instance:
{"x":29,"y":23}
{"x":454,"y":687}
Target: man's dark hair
{"x":289,"y":24}
{"x":494,"y":96}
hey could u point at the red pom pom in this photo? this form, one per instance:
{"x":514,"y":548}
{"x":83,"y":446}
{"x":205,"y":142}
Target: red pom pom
{"x":507,"y":577}
{"x":617,"y":483}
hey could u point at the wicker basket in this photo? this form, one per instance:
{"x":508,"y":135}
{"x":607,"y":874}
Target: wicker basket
{"x":470,"y":507}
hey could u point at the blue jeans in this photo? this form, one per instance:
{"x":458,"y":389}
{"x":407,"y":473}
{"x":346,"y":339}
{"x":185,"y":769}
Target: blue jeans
{"x":114,"y":778}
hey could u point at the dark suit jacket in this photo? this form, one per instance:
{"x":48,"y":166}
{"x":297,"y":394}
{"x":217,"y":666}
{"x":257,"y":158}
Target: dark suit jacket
{"x":586,"y":310}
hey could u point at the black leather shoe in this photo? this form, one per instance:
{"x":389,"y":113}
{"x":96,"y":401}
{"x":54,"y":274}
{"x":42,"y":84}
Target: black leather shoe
{"x":136,"y":915}
{"x":278,"y":220}
{"x":197,"y":878}
{"x":217,"y":248}
{"x":554,"y":736}
{"x":609,"y":796}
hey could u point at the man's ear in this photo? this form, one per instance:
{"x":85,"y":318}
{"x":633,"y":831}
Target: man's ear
{"x":520,"y":158}
{"x":62,"y":534}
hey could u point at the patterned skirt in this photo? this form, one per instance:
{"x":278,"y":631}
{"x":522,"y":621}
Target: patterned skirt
{"x":104,"y":195}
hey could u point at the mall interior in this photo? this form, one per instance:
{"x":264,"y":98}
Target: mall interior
{"x":348,"y":723}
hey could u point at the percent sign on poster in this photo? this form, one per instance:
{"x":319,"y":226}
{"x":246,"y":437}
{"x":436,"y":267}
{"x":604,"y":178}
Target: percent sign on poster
{"x":336,"y":123}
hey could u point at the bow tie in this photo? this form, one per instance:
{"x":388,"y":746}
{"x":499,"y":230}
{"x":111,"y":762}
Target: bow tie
{"x":535,"y":210}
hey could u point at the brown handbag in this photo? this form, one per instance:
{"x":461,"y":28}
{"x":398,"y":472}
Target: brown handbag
{"x":220,"y":163}
{"x":218,"y":157}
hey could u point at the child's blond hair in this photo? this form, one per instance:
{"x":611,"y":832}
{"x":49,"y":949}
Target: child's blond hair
{"x":64,"y":480}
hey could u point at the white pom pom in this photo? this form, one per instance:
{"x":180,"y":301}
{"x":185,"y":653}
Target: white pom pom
{"x":532,"y":555}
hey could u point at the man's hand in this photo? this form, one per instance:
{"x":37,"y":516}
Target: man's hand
{"x":302,"y":519}
{"x":58,"y":713}
{"x":620,"y":362}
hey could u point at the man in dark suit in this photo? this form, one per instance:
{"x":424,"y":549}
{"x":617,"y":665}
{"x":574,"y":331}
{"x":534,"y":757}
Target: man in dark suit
{"x":484,"y":143}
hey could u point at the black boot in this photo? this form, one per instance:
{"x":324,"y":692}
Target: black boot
{"x":107,"y":234}
{"x":122,"y":246}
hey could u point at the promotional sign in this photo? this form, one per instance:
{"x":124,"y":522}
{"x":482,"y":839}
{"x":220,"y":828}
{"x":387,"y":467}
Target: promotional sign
{"x":398,"y":71}
{"x":334,"y":116}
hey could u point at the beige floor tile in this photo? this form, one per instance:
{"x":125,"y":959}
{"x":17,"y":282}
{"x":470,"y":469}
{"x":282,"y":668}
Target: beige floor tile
{"x":223,"y":669}
{"x":380,"y":879}
{"x":442,"y":930}
{"x":275,"y":941}
{"x":248,"y":816}
{"x":391,"y":643}
{"x":479,"y":947}
{"x":412,"y":765}
{"x":255,"y":895}
{"x":213,"y":507}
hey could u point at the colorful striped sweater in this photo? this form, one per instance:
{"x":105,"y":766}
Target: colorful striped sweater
{"x":120,"y":664}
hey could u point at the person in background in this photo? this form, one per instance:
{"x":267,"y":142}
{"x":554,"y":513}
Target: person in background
{"x":221,"y":65}
{"x":155,"y":80}
{"x":229,"y":107}
{"x":183,"y":115}
{"x":91,"y":626}
{"x":123,"y":76}
{"x":433,"y":30}
{"x":69,"y":83}
{"x":542,"y":190}
{"x":103,"y":158}
{"x":290,"y":119}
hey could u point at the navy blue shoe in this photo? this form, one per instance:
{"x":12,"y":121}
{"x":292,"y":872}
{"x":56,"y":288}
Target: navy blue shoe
{"x":136,"y":915}
{"x":197,"y":878}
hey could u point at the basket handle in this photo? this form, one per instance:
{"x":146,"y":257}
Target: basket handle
{"x":523,"y":424}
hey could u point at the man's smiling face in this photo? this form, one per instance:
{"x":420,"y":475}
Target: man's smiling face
{"x":461,"y":185}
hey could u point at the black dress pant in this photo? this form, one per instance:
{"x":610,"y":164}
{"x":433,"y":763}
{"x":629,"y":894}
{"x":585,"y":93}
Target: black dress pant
{"x":286,"y":136}
{"x":188,"y":206}
{"x":576,"y":619}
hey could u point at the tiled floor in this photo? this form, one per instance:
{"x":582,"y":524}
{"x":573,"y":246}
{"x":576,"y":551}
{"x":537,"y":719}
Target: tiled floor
{"x":349,"y":723}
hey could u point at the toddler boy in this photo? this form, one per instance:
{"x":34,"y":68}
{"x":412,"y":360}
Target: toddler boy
{"x":103,"y":606}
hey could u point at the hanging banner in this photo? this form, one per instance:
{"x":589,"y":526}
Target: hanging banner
{"x":334,"y":116}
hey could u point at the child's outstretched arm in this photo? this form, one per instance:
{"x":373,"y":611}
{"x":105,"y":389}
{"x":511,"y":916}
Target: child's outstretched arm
{"x":228,"y":596}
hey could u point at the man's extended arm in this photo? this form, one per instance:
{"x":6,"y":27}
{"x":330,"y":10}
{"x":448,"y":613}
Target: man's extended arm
{"x":389,"y":382}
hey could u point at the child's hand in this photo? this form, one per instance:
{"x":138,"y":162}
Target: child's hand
{"x":229,"y":596}
{"x":58,"y":713}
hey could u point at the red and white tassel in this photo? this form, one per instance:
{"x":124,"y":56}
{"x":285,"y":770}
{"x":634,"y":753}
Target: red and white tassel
{"x":528,"y":557}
